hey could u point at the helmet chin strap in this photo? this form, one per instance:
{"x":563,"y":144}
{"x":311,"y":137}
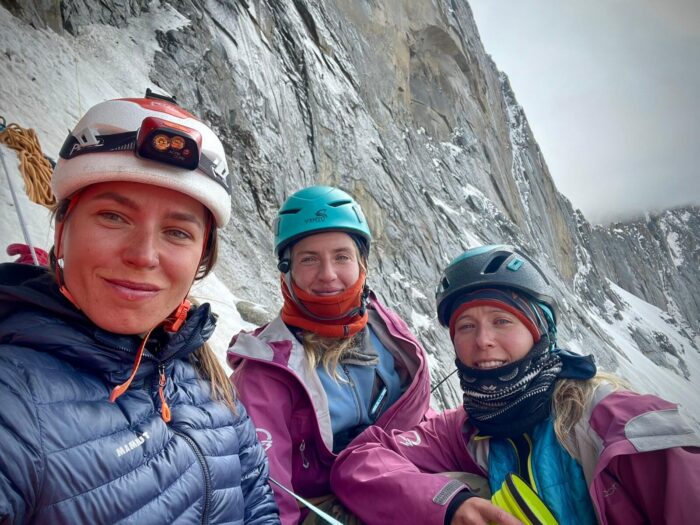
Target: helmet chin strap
{"x":56,"y":256}
{"x":175,"y":320}
{"x":548,"y":322}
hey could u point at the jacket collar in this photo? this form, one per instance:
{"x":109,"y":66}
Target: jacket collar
{"x":274,"y":342}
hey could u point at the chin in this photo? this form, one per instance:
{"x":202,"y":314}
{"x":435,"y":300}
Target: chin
{"x":131,"y":324}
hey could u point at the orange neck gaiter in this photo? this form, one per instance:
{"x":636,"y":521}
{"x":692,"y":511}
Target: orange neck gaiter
{"x":341,"y":315}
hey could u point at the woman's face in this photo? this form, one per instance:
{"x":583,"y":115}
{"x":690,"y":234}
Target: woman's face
{"x":131,"y":252}
{"x":326,"y":263}
{"x":488,"y":337}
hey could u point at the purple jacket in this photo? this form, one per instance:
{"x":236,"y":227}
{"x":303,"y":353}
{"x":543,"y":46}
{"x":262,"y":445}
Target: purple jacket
{"x":290,"y":409}
{"x":640,"y":459}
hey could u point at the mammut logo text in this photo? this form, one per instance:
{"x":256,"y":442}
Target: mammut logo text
{"x":320,"y":216}
{"x":406,"y":440}
{"x":131,"y":445}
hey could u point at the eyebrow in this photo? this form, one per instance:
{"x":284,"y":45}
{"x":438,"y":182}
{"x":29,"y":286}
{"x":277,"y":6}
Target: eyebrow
{"x":493,"y":309}
{"x":125,"y":201}
{"x":490,"y":310}
{"x":187,"y":217}
{"x":113,"y":196}
{"x":315,"y":252}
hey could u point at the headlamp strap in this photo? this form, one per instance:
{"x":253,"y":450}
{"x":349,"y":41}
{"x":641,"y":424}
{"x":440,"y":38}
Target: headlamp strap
{"x":73,"y":147}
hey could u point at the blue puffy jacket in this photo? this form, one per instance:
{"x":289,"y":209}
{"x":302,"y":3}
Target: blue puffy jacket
{"x":69,"y":455}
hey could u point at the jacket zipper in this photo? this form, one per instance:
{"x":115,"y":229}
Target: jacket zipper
{"x":355,"y":395}
{"x":291,"y":372}
{"x":527,"y":470}
{"x":205,"y":473}
{"x":195,"y":448}
{"x":302,"y":448}
{"x":394,"y":332}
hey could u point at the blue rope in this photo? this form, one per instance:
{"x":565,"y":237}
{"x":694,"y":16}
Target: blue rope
{"x":3,"y":123}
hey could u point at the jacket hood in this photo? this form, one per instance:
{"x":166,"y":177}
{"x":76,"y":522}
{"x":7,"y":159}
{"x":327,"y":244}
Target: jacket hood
{"x":25,"y":286}
{"x":34,"y":314}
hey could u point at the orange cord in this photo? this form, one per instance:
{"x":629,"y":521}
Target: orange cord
{"x":164,"y":408}
{"x":120,"y":389}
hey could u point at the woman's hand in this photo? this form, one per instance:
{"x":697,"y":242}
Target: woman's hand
{"x":479,"y":511}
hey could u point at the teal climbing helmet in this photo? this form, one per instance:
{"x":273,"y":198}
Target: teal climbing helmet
{"x":318,"y":209}
{"x":493,"y":266}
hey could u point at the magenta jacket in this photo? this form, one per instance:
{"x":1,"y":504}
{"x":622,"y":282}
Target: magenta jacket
{"x":290,"y":409}
{"x":640,"y":459}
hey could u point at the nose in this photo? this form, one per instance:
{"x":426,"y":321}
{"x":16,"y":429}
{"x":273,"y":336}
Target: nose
{"x":327,"y":271}
{"x":142,"y":249}
{"x":484,"y":336}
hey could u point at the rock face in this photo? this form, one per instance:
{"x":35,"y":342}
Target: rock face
{"x":398,"y":103}
{"x":657,"y":259}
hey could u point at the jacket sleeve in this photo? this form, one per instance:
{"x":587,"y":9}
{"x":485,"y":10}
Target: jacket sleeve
{"x":22,"y":458}
{"x":393,"y":478}
{"x":648,"y":469}
{"x":662,"y":486}
{"x":269,"y":404}
{"x":260,"y":505}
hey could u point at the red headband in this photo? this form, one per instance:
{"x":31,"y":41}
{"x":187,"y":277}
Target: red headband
{"x":529,"y":324}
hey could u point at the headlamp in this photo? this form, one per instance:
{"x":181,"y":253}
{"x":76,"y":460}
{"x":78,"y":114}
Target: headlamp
{"x":156,"y":139}
{"x":167,"y":142}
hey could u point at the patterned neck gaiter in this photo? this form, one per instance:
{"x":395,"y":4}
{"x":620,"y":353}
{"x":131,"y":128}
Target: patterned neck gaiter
{"x":509,"y":400}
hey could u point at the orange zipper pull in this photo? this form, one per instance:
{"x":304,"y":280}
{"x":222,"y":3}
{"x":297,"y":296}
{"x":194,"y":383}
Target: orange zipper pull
{"x":164,"y":408}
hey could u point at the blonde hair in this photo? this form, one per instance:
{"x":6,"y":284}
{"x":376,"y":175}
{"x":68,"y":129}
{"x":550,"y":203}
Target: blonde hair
{"x":203,"y":359}
{"x":570,"y":398}
{"x":207,"y":365}
{"x":327,"y":351}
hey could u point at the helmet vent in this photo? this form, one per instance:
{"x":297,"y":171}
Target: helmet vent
{"x":495,"y":264}
{"x":445,"y":284}
{"x":339,"y":203}
{"x":290,"y":212}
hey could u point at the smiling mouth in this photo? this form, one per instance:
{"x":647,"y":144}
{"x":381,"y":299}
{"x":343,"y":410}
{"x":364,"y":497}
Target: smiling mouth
{"x":327,"y":292}
{"x":133,"y":291}
{"x":494,"y":363}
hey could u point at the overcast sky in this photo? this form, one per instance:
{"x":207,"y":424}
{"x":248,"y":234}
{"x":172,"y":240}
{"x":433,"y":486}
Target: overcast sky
{"x":611,"y":89}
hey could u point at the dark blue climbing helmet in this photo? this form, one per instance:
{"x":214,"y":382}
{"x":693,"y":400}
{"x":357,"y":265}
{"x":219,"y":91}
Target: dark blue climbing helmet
{"x":494,"y":266}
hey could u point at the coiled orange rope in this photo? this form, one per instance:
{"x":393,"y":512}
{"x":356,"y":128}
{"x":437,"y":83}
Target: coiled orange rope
{"x":34,"y":167}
